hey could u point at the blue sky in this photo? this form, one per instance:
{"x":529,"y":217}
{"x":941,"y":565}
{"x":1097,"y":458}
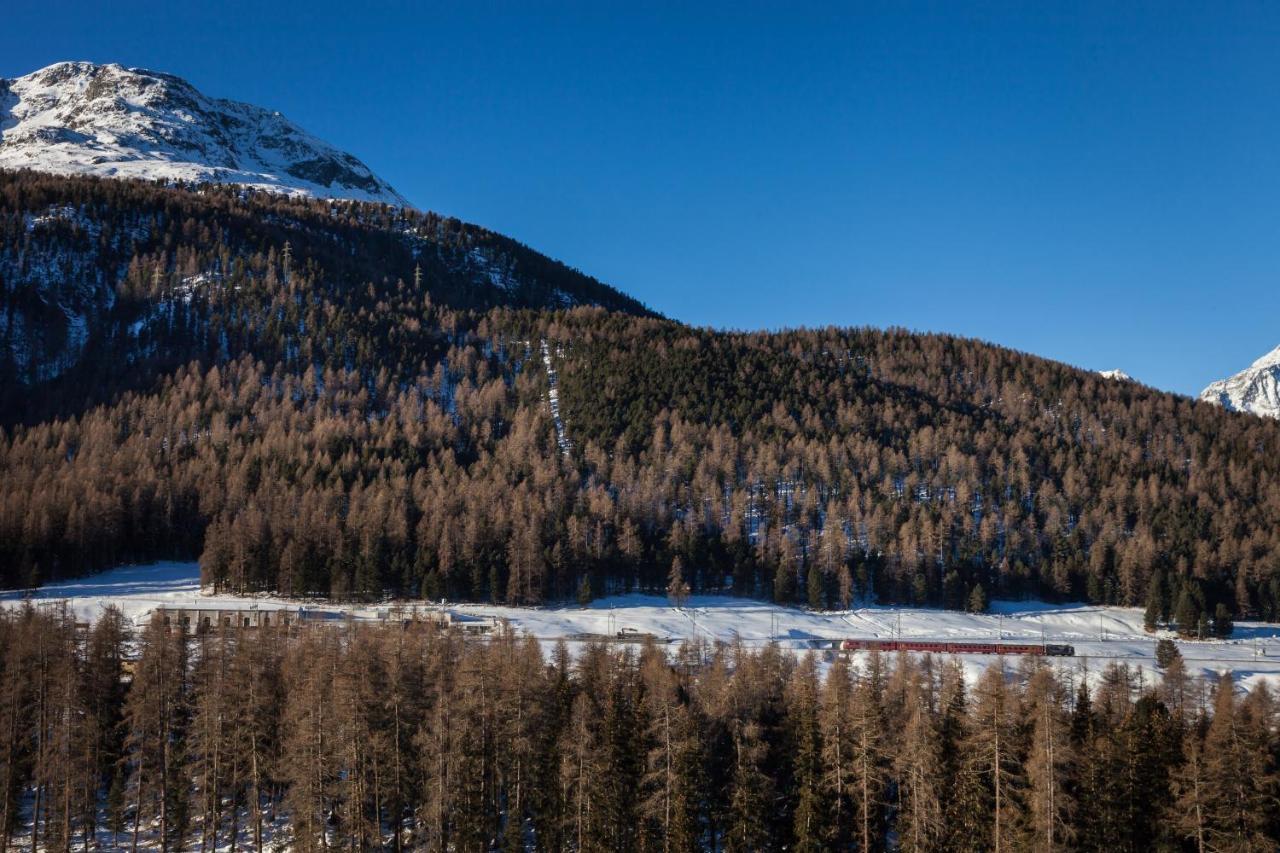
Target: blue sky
{"x":1092,"y":182}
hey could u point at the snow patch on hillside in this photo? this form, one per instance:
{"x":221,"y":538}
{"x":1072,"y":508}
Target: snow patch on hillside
{"x":553,"y":401}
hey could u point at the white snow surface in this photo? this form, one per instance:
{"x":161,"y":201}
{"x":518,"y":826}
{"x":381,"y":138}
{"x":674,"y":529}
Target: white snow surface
{"x":116,"y":122}
{"x":1100,"y":635}
{"x":1255,"y":390}
{"x":1118,"y":375}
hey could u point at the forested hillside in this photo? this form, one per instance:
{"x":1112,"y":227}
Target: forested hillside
{"x":104,"y":282}
{"x":391,"y":738}
{"x":330,"y":398}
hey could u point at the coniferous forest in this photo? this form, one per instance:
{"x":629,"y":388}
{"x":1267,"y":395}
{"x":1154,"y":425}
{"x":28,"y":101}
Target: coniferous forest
{"x":404,"y":737}
{"x":317,"y":397}
{"x":329,"y":524}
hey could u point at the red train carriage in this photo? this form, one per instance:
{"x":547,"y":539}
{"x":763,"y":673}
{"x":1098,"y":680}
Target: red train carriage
{"x":939,"y":647}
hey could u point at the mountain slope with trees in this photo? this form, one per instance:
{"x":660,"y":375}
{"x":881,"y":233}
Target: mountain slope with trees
{"x":328,"y":398}
{"x":106,"y":281}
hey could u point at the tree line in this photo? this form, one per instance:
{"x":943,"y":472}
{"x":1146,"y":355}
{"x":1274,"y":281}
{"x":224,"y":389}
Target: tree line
{"x":411,"y":738}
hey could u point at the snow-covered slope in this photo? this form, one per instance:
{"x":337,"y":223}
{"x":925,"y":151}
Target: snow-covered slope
{"x":110,"y":121}
{"x":1256,"y":389}
{"x":1118,"y":375}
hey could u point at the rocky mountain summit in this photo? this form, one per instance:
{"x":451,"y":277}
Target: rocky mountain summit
{"x":106,"y":120}
{"x":1256,"y":389}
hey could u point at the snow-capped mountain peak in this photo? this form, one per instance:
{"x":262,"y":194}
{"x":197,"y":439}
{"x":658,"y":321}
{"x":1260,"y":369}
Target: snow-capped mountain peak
{"x":111,"y":121}
{"x":1271,"y":359}
{"x":1256,"y":389}
{"x":1118,"y":375}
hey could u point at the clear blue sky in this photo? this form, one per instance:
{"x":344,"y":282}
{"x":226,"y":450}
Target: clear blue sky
{"x":1094,"y":182}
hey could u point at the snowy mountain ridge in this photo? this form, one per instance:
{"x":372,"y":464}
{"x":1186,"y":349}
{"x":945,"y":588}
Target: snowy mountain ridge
{"x":81,"y":118}
{"x":1255,"y":390}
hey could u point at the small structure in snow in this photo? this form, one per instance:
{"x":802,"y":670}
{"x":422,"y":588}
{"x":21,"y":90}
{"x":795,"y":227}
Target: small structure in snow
{"x":197,"y":618}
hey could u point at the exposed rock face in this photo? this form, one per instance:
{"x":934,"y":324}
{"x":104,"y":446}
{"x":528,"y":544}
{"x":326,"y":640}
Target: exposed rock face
{"x":1256,"y":389}
{"x":110,"y":121}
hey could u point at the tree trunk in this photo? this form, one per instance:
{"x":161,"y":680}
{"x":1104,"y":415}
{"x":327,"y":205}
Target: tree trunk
{"x":137,"y":814}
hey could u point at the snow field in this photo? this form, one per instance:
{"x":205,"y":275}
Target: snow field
{"x":1100,"y":635}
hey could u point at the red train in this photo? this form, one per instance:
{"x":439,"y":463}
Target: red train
{"x":1050,"y":649}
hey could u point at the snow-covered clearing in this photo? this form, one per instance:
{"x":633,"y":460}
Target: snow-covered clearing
{"x":1100,"y":635}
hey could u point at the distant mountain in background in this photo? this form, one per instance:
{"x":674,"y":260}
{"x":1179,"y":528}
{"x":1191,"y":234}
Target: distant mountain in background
{"x":1255,"y":390}
{"x":79,"y":118}
{"x":1118,"y":375}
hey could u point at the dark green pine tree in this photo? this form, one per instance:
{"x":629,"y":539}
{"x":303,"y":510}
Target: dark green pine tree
{"x":1088,"y":777}
{"x":978,"y":599}
{"x":813,"y":586}
{"x":1186,"y":615}
{"x":369,"y":564}
{"x":1223,"y":626}
{"x":1145,"y":747}
{"x":963,"y":827}
{"x":783,"y":584}
{"x":1166,"y":652}
{"x":624,"y":762}
{"x":752,"y":797}
{"x":810,"y":822}
{"x":1157,"y":606}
